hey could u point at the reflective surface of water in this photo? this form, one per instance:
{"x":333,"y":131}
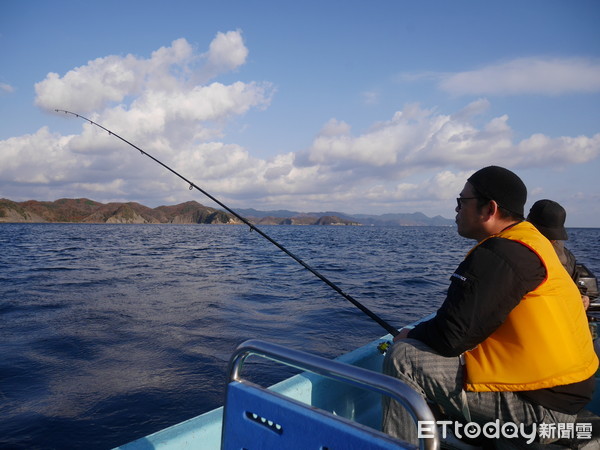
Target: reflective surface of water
{"x":112,"y":332}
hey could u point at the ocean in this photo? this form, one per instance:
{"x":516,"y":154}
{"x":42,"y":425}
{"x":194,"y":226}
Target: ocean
{"x":111,"y":332}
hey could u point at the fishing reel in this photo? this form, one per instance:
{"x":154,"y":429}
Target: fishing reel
{"x":383,"y":347}
{"x":587,"y":283}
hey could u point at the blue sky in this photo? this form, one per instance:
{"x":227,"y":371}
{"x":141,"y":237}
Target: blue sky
{"x":360,"y":107}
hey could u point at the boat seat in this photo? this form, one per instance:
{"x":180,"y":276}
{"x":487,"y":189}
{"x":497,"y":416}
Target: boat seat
{"x":259,"y":418}
{"x":256,"y":418}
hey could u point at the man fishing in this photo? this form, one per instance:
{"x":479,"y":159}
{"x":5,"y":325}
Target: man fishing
{"x":549,"y":218}
{"x":511,"y":342}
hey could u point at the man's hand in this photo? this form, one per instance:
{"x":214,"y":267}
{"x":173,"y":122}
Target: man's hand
{"x":586,"y":301}
{"x":403,"y":334}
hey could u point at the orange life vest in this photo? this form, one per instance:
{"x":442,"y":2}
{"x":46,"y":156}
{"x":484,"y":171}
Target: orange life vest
{"x":545,"y":340}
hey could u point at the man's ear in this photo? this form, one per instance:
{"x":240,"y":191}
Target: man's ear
{"x":490,"y":210}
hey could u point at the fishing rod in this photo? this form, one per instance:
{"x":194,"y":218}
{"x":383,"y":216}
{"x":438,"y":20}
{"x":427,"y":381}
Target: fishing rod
{"x":390,"y":329}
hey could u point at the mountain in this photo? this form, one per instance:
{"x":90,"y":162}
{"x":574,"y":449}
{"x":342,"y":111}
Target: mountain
{"x":250,"y":212}
{"x":301,"y":219}
{"x":404,"y":219}
{"x":400,"y":219}
{"x":83,"y":210}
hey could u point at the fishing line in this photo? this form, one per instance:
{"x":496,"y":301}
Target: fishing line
{"x":390,"y":329}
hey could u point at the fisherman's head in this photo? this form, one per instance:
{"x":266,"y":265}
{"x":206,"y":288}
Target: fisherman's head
{"x":492,"y":197}
{"x":549,"y":218}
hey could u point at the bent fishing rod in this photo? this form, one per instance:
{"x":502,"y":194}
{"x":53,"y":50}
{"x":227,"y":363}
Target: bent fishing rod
{"x":390,"y":329}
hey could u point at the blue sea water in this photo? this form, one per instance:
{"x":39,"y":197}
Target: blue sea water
{"x":111,"y":332}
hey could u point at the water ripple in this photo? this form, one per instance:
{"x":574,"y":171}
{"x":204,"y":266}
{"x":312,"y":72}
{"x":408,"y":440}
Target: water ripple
{"x":111,"y":332}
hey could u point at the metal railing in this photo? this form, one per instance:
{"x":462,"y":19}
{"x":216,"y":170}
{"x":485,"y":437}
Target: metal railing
{"x":335,"y":370}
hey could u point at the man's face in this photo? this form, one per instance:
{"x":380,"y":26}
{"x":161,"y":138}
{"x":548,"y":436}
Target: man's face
{"x":469,"y":219}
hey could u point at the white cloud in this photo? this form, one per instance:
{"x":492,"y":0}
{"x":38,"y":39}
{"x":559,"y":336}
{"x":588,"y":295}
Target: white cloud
{"x":90,"y":87}
{"x":153,"y":102}
{"x":547,"y":76}
{"x":170,"y":72}
{"x":419,"y":156}
{"x":6,"y":88}
{"x":539,"y":150}
{"x":227,"y":52}
{"x":42,"y":157}
{"x":416,"y":138}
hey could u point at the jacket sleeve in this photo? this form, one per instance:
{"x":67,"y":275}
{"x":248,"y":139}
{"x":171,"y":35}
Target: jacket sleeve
{"x":486,"y":286}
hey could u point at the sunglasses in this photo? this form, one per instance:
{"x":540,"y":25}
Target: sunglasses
{"x":459,"y":200}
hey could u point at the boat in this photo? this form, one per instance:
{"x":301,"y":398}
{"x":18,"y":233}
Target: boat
{"x":346,"y":390}
{"x":332,"y":404}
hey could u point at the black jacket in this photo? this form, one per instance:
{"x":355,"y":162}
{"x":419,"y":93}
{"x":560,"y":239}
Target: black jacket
{"x":484,"y":289}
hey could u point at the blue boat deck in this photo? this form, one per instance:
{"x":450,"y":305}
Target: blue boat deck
{"x":364,"y":407}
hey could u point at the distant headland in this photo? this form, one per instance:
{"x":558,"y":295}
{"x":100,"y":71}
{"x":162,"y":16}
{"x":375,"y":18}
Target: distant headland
{"x":82,"y":210}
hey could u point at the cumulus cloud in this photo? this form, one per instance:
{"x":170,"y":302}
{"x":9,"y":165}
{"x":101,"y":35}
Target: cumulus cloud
{"x":174,"y":107}
{"x":417,"y":157}
{"x":227,"y":52}
{"x":27,"y":159}
{"x":417,"y":137}
{"x":547,"y":76}
{"x":173,"y":70}
{"x":156,"y":102}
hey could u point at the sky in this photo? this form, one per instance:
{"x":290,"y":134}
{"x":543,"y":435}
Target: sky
{"x":351,"y":106}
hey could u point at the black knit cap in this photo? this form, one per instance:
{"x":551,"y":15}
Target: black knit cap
{"x":502,"y":186}
{"x":549,"y":217}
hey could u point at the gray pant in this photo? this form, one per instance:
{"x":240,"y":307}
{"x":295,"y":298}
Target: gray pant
{"x":440,"y":380}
